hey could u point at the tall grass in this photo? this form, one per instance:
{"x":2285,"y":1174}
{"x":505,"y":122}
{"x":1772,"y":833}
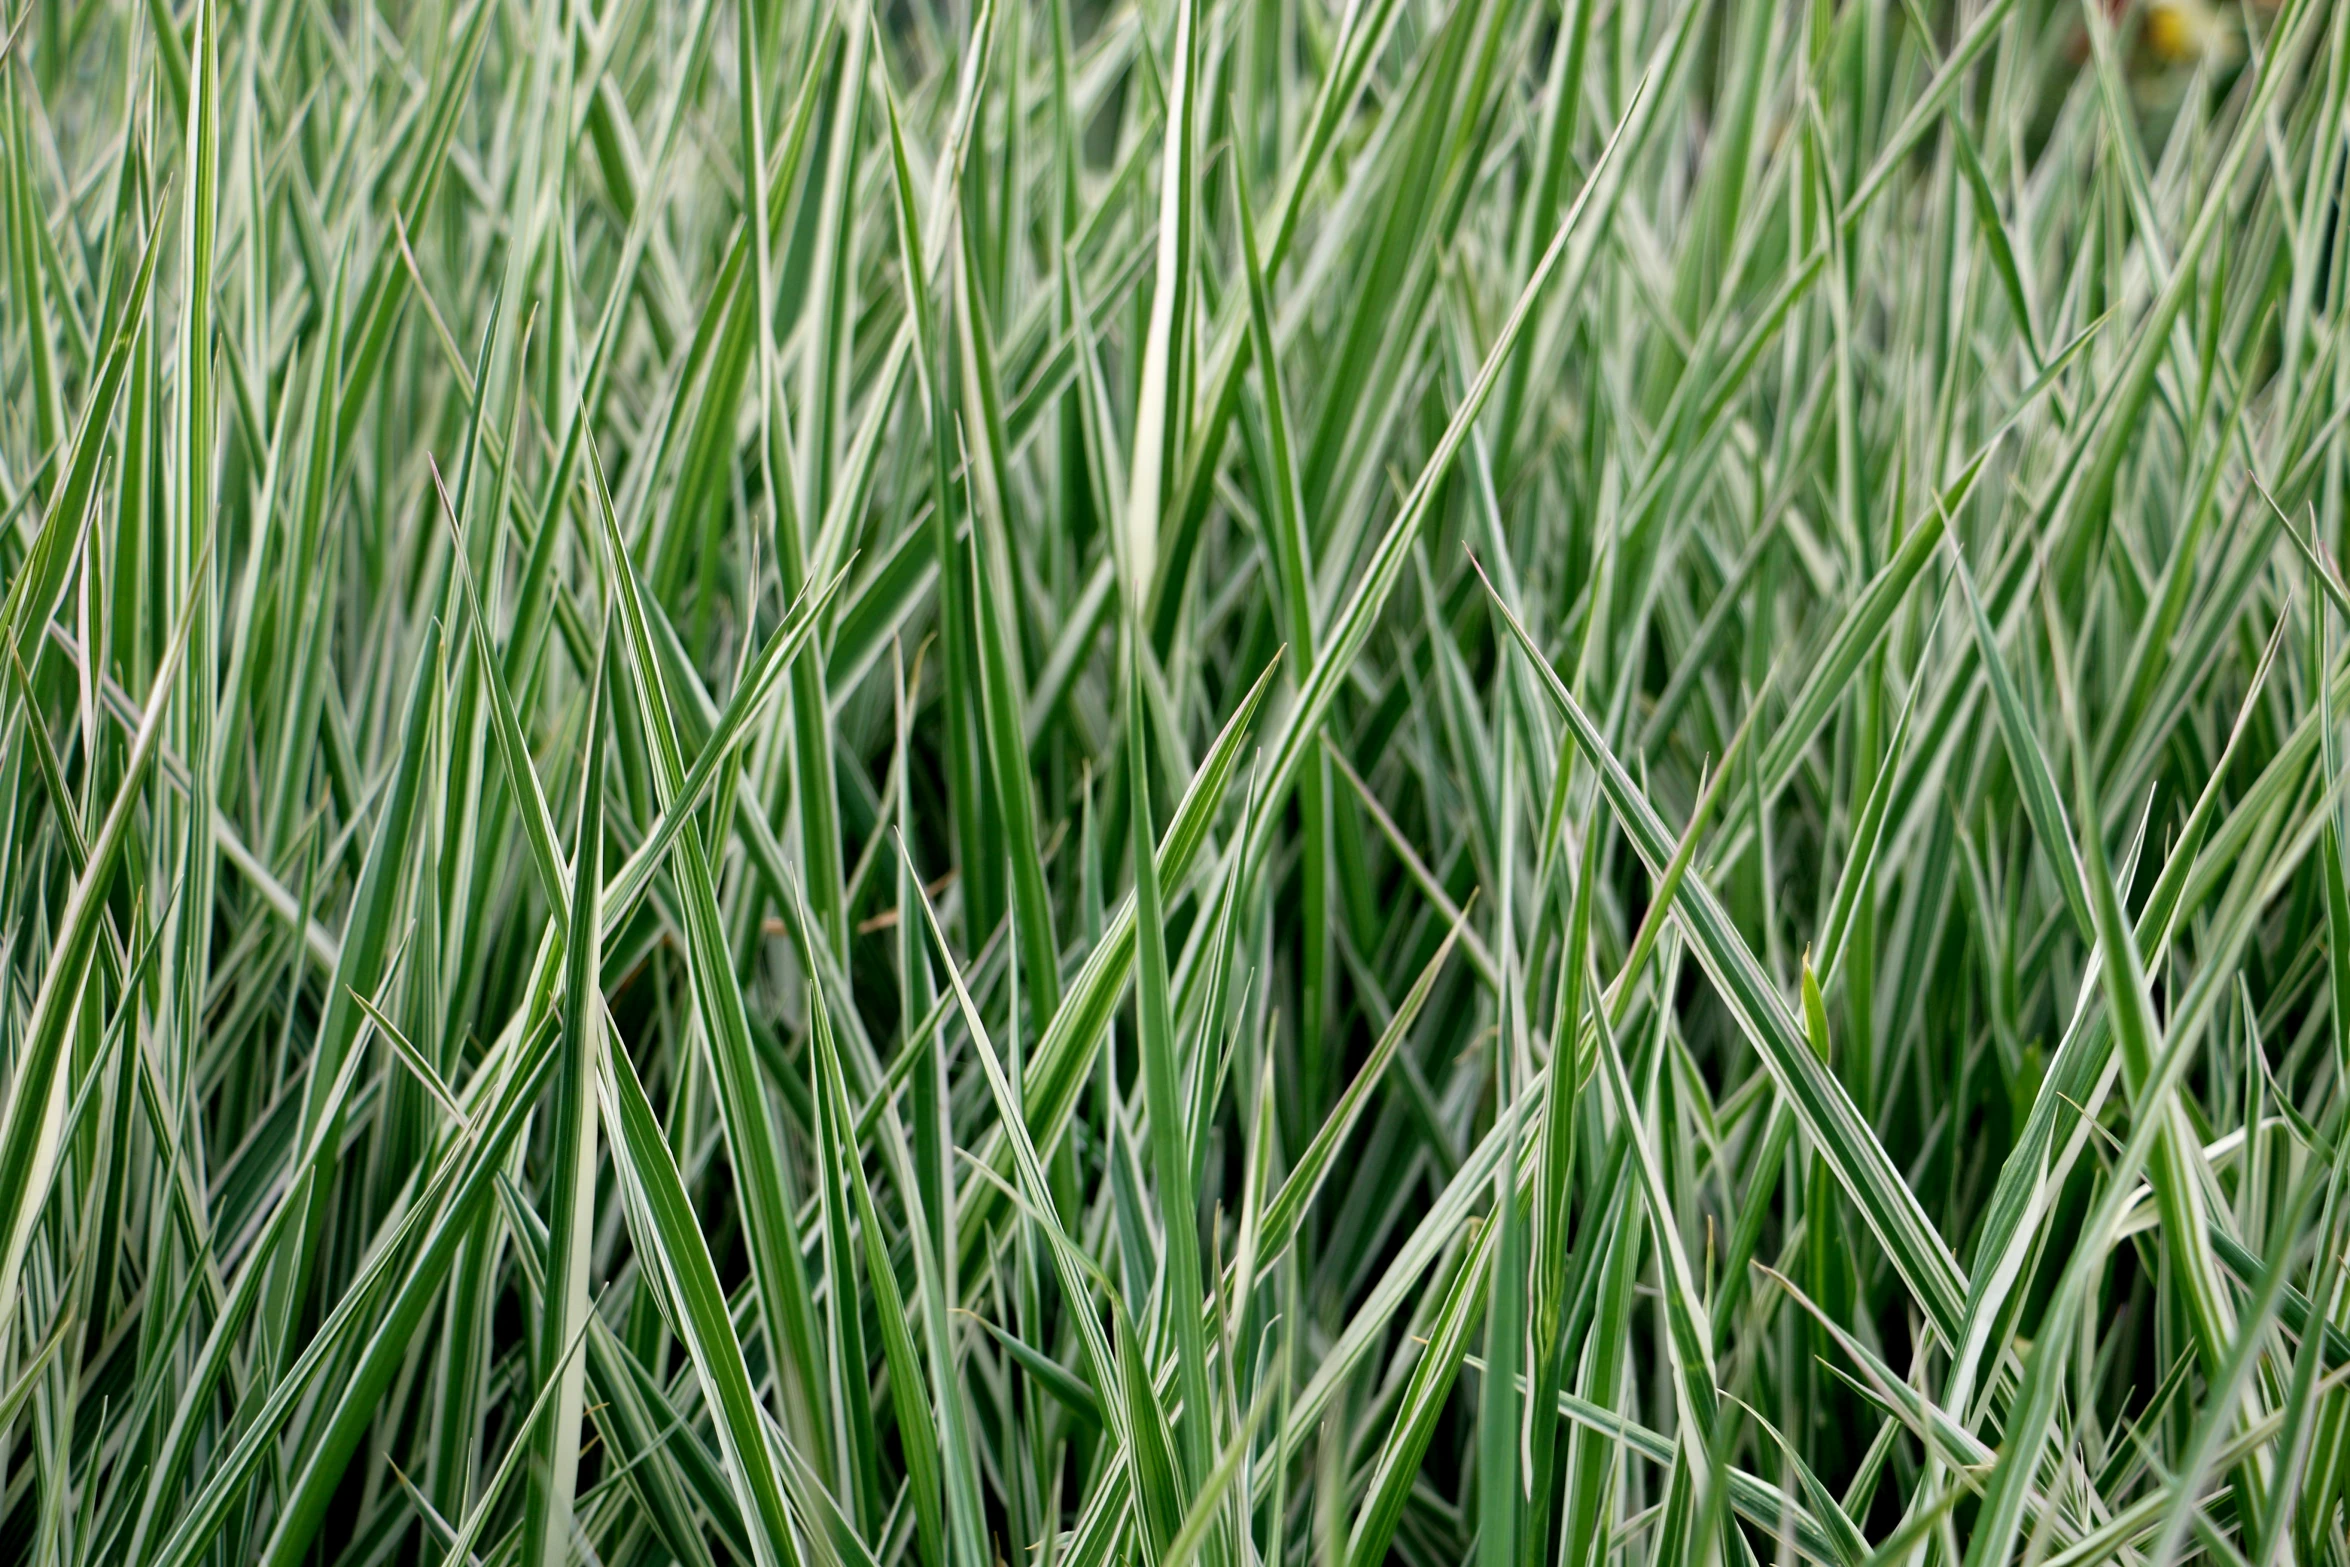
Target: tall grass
{"x":1212,"y":783}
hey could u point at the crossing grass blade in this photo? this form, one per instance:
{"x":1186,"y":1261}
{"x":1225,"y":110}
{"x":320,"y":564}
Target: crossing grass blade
{"x":695,"y":1307}
{"x":1891,"y":1209}
{"x":571,"y":1215}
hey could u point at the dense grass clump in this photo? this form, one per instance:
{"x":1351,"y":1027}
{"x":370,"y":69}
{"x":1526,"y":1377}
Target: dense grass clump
{"x":1206,"y":783}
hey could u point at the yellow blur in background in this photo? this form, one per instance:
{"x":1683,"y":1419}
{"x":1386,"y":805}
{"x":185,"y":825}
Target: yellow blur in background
{"x":2191,"y":32}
